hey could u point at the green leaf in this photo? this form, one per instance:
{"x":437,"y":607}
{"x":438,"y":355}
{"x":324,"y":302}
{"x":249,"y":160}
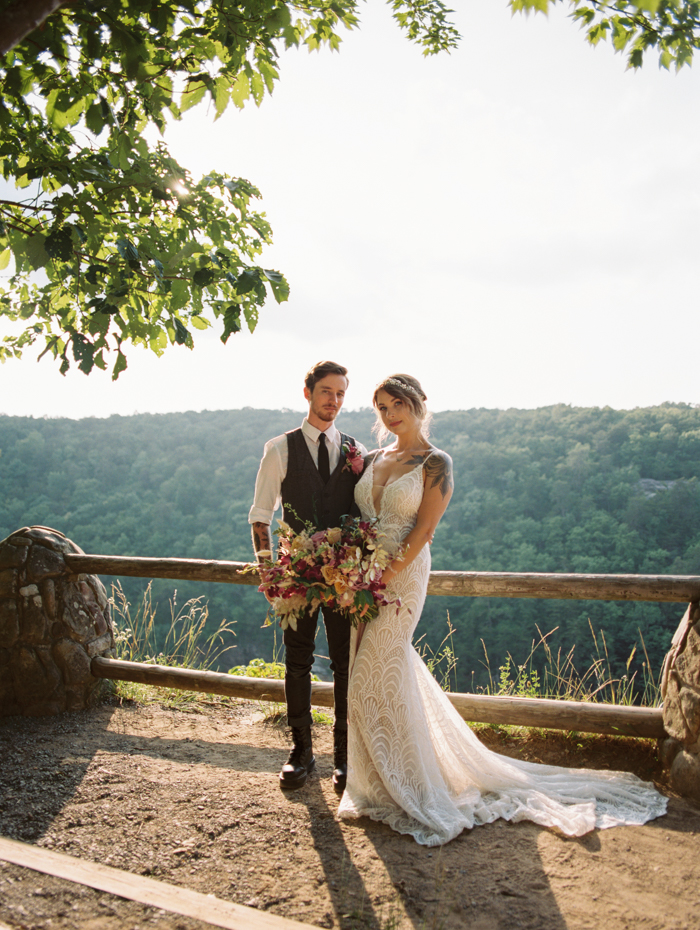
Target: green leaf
{"x":280,"y":287}
{"x":98,"y":323}
{"x":181,"y":334}
{"x":250,"y":312}
{"x":35,"y":251}
{"x":94,"y":118}
{"x":240,"y":90}
{"x":192,"y":95}
{"x":232,"y":322}
{"x":204,"y":276}
{"x":257,"y":87}
{"x":83,"y":352}
{"x":247,"y":281}
{"x":119,"y":365}
{"x":92,"y":273}
{"x":127,"y":250}
{"x":59,"y":243}
{"x":649,"y":6}
{"x":5,"y":257}
{"x":222,"y":91}
{"x":62,"y":110}
{"x":269,"y":74}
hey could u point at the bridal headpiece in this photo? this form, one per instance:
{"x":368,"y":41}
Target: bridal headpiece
{"x":394,"y":382}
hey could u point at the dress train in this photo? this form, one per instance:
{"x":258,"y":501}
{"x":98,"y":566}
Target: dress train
{"x":414,"y":763}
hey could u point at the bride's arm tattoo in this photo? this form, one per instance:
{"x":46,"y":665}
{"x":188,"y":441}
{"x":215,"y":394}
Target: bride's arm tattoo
{"x":438,"y":471}
{"x":261,"y":537}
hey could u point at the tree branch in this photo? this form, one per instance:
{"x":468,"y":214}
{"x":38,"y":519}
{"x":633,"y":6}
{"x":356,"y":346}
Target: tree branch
{"x":22,"y":17}
{"x":22,"y":206}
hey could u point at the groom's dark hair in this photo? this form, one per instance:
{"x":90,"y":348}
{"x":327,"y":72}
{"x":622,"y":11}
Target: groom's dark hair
{"x":320,"y":370}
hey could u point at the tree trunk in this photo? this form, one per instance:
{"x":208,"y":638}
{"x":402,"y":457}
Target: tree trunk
{"x":21,"y":18}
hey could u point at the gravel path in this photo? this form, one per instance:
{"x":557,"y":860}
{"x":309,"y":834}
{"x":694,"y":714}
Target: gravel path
{"x":192,"y":798}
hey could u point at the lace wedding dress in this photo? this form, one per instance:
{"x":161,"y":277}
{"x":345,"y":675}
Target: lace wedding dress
{"x":414,"y":763}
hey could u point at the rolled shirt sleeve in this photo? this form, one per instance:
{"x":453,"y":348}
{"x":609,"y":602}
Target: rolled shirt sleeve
{"x":268,"y":484}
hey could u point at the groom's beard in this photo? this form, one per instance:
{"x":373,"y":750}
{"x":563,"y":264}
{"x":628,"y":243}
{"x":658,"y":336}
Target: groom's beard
{"x":327,"y":414}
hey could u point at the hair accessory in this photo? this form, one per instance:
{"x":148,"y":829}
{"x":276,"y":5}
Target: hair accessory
{"x":394,"y":382}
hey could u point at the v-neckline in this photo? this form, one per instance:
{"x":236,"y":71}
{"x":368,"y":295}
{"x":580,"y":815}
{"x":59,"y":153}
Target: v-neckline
{"x":378,"y":510}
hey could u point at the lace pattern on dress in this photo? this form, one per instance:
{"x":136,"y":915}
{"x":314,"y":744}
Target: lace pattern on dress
{"x":414,"y":763}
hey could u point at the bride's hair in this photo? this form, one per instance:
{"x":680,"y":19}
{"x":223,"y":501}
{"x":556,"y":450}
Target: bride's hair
{"x":408,"y":389}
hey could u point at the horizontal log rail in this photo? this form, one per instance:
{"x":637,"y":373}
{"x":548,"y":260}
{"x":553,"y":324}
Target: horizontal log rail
{"x":678,"y":588}
{"x":174,"y":898}
{"x":579,"y":716}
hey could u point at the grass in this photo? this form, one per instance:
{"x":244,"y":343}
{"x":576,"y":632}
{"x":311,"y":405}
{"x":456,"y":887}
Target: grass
{"x":561,"y":680}
{"x":186,"y":645}
{"x":260,"y":668}
{"x":544,"y":674}
{"x":442,"y":663}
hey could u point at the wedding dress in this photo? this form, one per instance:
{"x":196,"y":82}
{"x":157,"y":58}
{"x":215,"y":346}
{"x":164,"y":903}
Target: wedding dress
{"x":414,"y":763}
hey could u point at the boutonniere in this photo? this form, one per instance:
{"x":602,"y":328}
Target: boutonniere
{"x":354,"y":461}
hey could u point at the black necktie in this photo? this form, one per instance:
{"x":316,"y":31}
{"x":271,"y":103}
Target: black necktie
{"x":324,"y":467}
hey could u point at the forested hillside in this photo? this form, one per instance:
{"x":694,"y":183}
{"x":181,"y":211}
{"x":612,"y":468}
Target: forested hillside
{"x":554,"y":489}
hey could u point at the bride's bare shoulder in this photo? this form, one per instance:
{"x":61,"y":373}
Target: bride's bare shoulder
{"x":437,"y":468}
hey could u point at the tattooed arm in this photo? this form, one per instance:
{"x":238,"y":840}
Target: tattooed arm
{"x":262,"y":539}
{"x":438,"y":485}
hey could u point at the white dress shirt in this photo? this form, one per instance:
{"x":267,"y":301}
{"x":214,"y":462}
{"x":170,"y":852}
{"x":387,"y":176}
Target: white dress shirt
{"x":273,"y":468}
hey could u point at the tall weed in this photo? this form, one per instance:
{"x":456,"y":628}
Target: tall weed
{"x":185,"y":645}
{"x":560,"y":679}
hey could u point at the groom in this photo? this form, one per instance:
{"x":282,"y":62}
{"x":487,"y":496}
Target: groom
{"x":306,"y":471}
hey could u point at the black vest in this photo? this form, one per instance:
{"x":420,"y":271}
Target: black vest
{"x":305,"y":493}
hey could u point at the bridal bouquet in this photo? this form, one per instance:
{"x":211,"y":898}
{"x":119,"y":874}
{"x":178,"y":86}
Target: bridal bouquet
{"x":340,"y":568}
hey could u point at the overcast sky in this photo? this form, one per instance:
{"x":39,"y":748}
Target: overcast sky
{"x":516,"y":224}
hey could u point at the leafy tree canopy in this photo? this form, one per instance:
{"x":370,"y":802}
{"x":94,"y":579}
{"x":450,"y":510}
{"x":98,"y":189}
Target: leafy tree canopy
{"x":670,"y":27}
{"x":116,"y":243}
{"x":129,"y":247}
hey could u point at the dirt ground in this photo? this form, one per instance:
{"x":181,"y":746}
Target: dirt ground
{"x":192,"y":798}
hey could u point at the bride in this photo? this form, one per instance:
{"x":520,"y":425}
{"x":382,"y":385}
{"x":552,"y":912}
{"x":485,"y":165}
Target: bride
{"x":413,"y":762}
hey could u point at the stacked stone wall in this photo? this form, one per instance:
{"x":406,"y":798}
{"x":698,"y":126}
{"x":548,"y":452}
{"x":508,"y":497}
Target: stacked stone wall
{"x":52,"y":623}
{"x":680,"y":690}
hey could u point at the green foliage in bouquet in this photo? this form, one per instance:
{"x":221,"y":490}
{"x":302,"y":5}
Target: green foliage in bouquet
{"x":340,"y":567}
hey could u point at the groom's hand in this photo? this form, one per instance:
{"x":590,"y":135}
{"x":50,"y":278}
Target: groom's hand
{"x":262,"y":543}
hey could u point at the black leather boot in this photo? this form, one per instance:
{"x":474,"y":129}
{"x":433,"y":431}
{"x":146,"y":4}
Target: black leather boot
{"x":340,"y":760}
{"x":301,"y":759}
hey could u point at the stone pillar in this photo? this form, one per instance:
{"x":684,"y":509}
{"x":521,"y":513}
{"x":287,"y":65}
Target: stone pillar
{"x":680,"y":691}
{"x":52,"y":622}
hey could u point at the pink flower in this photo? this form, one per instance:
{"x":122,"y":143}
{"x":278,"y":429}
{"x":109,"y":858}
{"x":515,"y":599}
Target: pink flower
{"x":354,"y":460}
{"x":341,"y":566}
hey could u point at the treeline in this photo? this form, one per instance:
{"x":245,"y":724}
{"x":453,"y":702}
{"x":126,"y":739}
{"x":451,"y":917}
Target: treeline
{"x":558,"y":489}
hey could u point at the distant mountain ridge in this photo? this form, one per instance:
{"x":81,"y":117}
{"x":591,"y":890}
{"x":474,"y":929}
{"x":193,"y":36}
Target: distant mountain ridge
{"x":552,"y":489}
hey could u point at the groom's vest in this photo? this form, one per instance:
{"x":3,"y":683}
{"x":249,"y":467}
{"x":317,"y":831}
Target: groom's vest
{"x":305,"y":497}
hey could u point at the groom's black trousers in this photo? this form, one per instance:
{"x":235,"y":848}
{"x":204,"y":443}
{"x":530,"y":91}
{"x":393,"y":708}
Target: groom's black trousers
{"x":299,"y":657}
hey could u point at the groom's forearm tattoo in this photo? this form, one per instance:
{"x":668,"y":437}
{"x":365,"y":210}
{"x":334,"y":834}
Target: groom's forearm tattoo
{"x":438,"y":471}
{"x":261,"y":537}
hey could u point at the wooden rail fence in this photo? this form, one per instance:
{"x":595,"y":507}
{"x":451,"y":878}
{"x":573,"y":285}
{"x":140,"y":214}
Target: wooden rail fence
{"x":581,"y":716}
{"x":678,"y":588}
{"x":566,"y":715}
